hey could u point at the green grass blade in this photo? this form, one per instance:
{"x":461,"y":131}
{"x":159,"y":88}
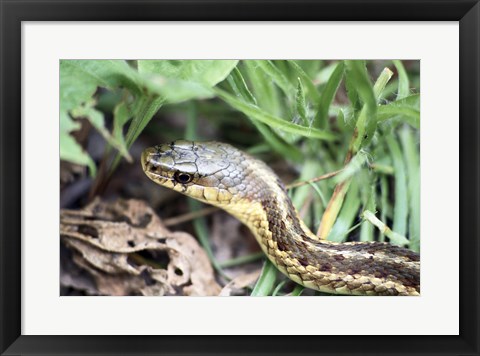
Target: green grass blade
{"x":400,"y":210}
{"x":266,"y":94}
{"x":328,"y":94}
{"x":279,"y":287}
{"x":357,"y":71}
{"x":347,"y":215}
{"x":239,"y":87}
{"x":312,"y":91}
{"x":402,"y":110}
{"x":366,"y":231}
{"x":395,"y":238}
{"x":276,"y":75}
{"x":383,"y":202}
{"x":353,"y":167}
{"x":403,"y":83}
{"x":300,"y":104}
{"x":412,"y":162}
{"x":367,"y":121}
{"x":381,"y":83}
{"x":297,"y":291}
{"x":242,"y":260}
{"x":266,"y":281}
{"x":201,"y":230}
{"x":258,"y":114}
{"x":276,"y":142}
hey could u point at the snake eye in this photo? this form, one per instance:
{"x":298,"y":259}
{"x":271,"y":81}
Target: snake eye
{"x":183,"y":178}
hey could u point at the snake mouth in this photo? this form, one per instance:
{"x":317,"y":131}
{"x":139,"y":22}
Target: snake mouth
{"x":150,"y":164}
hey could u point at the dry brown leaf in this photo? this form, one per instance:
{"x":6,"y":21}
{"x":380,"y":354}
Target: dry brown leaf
{"x":128,"y":251}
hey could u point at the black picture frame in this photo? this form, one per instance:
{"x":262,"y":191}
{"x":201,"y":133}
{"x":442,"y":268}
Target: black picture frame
{"x":13,"y":12}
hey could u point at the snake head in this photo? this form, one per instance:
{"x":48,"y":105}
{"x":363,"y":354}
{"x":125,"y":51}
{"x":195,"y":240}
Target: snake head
{"x":210,"y":171}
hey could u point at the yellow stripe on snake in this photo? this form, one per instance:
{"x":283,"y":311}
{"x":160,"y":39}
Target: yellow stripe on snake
{"x":223,"y":176}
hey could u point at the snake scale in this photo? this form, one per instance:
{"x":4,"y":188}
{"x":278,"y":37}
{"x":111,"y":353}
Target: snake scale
{"x":223,"y":176}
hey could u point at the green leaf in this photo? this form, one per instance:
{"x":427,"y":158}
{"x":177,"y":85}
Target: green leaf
{"x":395,"y":237}
{"x":406,"y":110}
{"x":239,"y":86}
{"x":78,"y":77}
{"x":79,"y":80}
{"x":266,"y":94}
{"x":300,"y":104}
{"x":284,"y":148}
{"x":403,"y":84}
{"x":71,"y":151}
{"x":353,"y":167}
{"x":381,"y":83}
{"x":121,"y":115}
{"x":357,"y":71}
{"x":255,"y":113}
{"x":181,"y":80}
{"x":367,"y":121}
{"x":97,"y":120}
{"x":206,"y":72}
{"x":328,"y":94}
{"x":311,"y":90}
{"x":278,"y":143}
{"x":276,"y":75}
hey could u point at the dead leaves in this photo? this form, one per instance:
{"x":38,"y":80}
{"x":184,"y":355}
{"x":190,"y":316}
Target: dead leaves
{"x":126,"y":250}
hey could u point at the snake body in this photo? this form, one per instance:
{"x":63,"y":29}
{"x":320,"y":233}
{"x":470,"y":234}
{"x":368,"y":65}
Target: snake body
{"x":223,"y":176}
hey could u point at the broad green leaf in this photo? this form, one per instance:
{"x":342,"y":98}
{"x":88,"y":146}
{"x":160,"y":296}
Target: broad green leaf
{"x":206,"y":72}
{"x":180,"y":80}
{"x":79,"y":80}
{"x":97,"y":120}
{"x":71,"y":151}
{"x":175,"y":91}
{"x":80,"y":77}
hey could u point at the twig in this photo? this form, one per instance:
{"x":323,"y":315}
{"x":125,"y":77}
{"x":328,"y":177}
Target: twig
{"x":189,"y":216}
{"x":313,"y":180}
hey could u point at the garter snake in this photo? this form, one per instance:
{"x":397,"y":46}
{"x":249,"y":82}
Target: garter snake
{"x":223,"y":176}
